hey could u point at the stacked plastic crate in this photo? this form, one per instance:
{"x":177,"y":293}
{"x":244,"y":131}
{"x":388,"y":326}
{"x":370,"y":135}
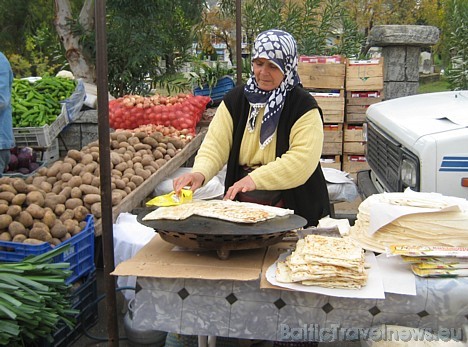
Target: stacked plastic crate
{"x":82,"y":280}
{"x":364,"y":87}
{"x":324,"y":78}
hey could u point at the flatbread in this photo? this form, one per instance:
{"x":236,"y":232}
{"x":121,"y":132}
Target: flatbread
{"x":324,"y":261}
{"x":232,"y":211}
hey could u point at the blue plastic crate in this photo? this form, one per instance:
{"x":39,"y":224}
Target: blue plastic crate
{"x":216,"y":93}
{"x":84,"y":298}
{"x":80,"y":255}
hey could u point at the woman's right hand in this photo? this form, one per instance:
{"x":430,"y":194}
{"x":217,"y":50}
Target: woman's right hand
{"x":194,"y":180}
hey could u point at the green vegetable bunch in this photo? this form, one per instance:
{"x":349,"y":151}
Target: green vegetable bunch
{"x":37,"y":104}
{"x":33,"y":298}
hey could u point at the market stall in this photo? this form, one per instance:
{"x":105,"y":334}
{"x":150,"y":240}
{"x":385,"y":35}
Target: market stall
{"x":195,"y":291}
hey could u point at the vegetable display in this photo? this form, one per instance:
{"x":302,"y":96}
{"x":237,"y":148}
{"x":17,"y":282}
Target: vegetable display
{"x":23,"y":161}
{"x":33,"y":298}
{"x":181,"y":112}
{"x":36,"y":104}
{"x":51,"y":205}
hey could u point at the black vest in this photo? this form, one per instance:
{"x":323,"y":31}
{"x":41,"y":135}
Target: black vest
{"x":309,"y":200}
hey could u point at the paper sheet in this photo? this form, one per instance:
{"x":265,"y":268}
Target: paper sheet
{"x":396,"y":275}
{"x":374,"y":288}
{"x":383,"y":213}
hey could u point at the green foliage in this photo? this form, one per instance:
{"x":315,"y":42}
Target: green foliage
{"x":147,"y":41}
{"x":205,"y":75}
{"x":457,"y":73}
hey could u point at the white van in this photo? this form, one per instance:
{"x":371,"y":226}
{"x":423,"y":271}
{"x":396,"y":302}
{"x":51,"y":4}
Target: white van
{"x":418,"y":141}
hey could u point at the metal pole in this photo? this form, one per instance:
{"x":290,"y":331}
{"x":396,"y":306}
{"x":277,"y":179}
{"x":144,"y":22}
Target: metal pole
{"x":104,"y":166}
{"x":239,"y":41}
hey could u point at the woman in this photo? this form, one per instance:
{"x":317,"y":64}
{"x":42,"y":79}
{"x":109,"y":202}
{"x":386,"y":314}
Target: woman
{"x":270,"y":134}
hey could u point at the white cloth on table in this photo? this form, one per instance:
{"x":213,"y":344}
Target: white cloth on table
{"x":129,"y":237}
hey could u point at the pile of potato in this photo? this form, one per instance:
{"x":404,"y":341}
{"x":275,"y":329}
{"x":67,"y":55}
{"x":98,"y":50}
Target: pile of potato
{"x":52,"y":205}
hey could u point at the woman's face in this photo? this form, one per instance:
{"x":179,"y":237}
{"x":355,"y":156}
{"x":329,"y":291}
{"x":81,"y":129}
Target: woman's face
{"x":267,"y":74}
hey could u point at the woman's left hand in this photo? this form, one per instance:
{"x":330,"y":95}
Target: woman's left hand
{"x":245,"y":184}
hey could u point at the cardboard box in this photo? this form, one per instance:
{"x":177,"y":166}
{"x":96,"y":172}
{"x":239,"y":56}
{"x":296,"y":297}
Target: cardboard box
{"x":352,"y":132}
{"x":332,"y":132}
{"x":332,"y":105}
{"x":331,"y":161}
{"x":354,"y":163}
{"x":354,"y":147}
{"x":364,"y":74}
{"x":161,"y":259}
{"x":326,"y":76}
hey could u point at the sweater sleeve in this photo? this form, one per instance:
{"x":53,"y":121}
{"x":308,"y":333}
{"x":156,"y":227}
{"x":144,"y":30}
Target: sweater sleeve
{"x":214,"y":150}
{"x":295,"y":166}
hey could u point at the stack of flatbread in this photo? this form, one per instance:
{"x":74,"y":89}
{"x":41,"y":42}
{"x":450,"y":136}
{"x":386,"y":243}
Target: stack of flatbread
{"x":326,"y":262}
{"x":232,"y":211}
{"x":439,"y":226}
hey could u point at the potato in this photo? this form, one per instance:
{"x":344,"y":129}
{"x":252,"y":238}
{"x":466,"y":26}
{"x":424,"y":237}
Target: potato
{"x":66,"y":192}
{"x":67,"y":214}
{"x":19,"y":199}
{"x":87,"y":178}
{"x":133,"y":140}
{"x":20,"y":186}
{"x":39,"y":233}
{"x":54,"y":169}
{"x":66,"y":168}
{"x":7,"y":196}
{"x":46,"y":186}
{"x":96,"y":182}
{"x":87,"y":159}
{"x":5,"y":236}
{"x":115,"y":158}
{"x":137,"y":180}
{"x":14,"y":211}
{"x":69,"y":160}
{"x":121,"y":166}
{"x":77,"y":169}
{"x":58,"y":230}
{"x":35,"y":197}
{"x":25,"y":218}
{"x":89,"y":189}
{"x":80,"y":213}
{"x":157,"y":154}
{"x":5,"y":220}
{"x":7,"y":188}
{"x":73,"y":203}
{"x":75,"y":181}
{"x":52,"y":200}
{"x":19,"y":238}
{"x":54,"y":242}
{"x":59,"y":209}
{"x":70,"y":225}
{"x":31,"y":241}
{"x":4,"y":208}
{"x":141,"y":146}
{"x":16,"y":228}
{"x":171,"y":152}
{"x":143,"y":173}
{"x":161,"y":162}
{"x":49,"y":218}
{"x":91,"y":198}
{"x":96,"y":209}
{"x":66,"y":177}
{"x":120,"y":184}
{"x":66,"y":237}
{"x":75,"y":155}
{"x":76,"y":193}
{"x":35,"y":211}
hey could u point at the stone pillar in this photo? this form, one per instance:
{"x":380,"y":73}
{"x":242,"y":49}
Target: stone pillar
{"x":401,"y":47}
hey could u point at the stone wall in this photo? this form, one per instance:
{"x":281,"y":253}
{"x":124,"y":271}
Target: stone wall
{"x":78,"y":134}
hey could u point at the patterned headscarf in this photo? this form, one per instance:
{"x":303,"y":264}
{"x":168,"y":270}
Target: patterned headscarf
{"x":280,"y":48}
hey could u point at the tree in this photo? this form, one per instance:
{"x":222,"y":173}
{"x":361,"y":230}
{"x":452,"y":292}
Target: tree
{"x":71,"y":32}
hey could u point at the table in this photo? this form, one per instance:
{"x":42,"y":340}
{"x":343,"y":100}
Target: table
{"x":241,"y":309}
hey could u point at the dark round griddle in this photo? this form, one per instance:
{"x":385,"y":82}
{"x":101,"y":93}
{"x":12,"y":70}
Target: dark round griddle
{"x":198,"y":232}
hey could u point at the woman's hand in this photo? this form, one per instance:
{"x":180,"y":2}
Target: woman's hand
{"x":245,"y":184}
{"x":194,"y":180}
